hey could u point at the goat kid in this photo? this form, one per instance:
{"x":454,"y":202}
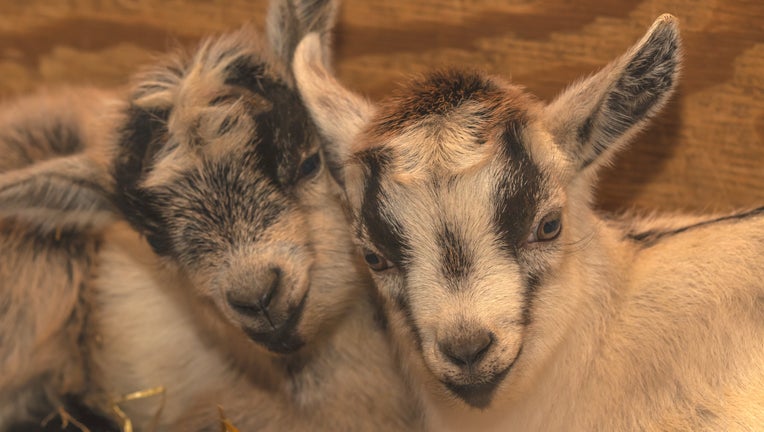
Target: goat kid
{"x":235,"y":284}
{"x":513,"y":304}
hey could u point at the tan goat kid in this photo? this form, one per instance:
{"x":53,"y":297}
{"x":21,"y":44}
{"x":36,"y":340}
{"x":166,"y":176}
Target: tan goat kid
{"x":513,"y":304}
{"x":236,"y":283}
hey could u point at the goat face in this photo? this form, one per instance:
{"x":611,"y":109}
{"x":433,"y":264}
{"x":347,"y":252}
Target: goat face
{"x":219,"y":166}
{"x":217,"y":163}
{"x":460,"y":223}
{"x":465,"y":195}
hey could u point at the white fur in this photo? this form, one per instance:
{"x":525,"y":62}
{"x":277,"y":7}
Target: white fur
{"x":628,"y":330}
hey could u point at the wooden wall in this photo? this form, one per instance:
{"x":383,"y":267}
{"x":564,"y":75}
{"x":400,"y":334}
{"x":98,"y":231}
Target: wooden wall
{"x":706,"y":151}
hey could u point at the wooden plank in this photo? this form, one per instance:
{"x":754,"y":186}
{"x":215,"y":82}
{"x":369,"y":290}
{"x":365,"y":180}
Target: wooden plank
{"x":705,"y":152}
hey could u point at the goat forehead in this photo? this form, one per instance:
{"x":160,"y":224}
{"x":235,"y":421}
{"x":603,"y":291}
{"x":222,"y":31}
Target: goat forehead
{"x":253,"y":110}
{"x":437,"y":94}
{"x":231,"y":94}
{"x":449,"y":121}
{"x":271,"y":140}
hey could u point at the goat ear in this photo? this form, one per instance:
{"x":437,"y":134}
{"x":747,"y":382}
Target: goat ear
{"x":339,"y":113}
{"x":289,"y":21}
{"x":71,"y":191}
{"x":594,"y":118}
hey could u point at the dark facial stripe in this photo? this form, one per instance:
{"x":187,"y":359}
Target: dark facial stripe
{"x":651,"y":237}
{"x":456,"y":260}
{"x":285,"y":133}
{"x":377,"y":302}
{"x":518,"y":192}
{"x":140,"y":138}
{"x":384,"y":231}
{"x":404,"y":307}
{"x":285,"y":130}
{"x":532,"y":283}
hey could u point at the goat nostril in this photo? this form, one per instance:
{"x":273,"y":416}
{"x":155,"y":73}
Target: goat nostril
{"x":273,"y":281}
{"x":466,"y":352}
{"x":255,"y":299}
{"x":244,"y":307}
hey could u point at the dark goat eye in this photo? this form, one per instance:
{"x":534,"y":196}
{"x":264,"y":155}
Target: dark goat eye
{"x":375,"y":261}
{"x":550,"y":226}
{"x":310,"y":166}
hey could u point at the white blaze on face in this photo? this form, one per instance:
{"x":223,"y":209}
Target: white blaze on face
{"x":457,"y":277}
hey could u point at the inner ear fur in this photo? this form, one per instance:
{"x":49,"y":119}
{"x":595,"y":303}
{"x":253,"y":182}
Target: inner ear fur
{"x":594,"y":118}
{"x":289,"y":21}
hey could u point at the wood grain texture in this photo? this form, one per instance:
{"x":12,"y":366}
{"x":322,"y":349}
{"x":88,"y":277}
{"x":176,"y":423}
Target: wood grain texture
{"x":705,"y":152}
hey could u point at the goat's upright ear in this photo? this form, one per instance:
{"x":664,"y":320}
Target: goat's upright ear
{"x":70,"y":191}
{"x":339,"y":113}
{"x":291,"y":20}
{"x":594,"y":118}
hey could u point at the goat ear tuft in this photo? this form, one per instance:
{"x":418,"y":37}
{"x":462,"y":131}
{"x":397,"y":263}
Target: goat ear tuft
{"x":66,"y":191}
{"x":594,"y":118}
{"x":339,"y":113}
{"x":291,"y":20}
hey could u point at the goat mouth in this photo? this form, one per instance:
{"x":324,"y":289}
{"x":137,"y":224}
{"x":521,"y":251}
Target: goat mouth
{"x":480,"y":395}
{"x":284,"y":338}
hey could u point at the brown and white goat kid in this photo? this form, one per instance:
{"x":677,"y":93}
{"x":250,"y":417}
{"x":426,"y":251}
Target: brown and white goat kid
{"x":514,"y":305}
{"x":236,"y":284}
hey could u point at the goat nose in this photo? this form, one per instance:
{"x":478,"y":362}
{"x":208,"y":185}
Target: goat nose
{"x":467,"y":350}
{"x":254,"y":300}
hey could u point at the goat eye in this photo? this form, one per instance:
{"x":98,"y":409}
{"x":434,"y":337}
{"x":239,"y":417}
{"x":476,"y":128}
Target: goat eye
{"x":375,"y":261}
{"x":310,"y":166}
{"x":549,"y":227}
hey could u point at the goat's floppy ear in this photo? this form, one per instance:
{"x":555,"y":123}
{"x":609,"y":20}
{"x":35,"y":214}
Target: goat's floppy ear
{"x":291,"y":20}
{"x":66,"y":191}
{"x":339,"y":113}
{"x":592,"y":119}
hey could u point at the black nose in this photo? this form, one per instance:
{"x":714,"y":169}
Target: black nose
{"x":466,"y":350}
{"x":254,"y":300}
